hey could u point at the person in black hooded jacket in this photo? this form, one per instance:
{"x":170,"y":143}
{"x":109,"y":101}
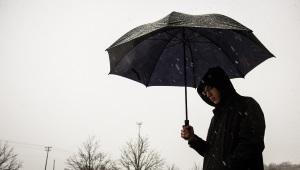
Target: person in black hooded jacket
{"x":235,"y":139}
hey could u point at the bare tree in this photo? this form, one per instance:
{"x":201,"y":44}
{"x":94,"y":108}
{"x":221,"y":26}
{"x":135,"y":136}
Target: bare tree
{"x":282,"y":166}
{"x":8,"y":159}
{"x":196,"y":166}
{"x":136,"y":155}
{"x":89,"y":157}
{"x":172,"y":167}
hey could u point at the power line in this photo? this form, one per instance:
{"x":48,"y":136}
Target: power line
{"x":22,"y":143}
{"x":25,"y":144}
{"x":61,"y":150}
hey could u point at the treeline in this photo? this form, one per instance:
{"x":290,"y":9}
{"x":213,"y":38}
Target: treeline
{"x":135,"y":155}
{"x":282,"y":166}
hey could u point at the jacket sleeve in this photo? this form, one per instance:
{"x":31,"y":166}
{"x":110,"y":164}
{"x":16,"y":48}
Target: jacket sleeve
{"x":250,"y":137}
{"x":199,"y":145}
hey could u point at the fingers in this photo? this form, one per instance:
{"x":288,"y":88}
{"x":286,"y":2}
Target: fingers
{"x":187,"y":126}
{"x":184,"y":135}
{"x":187,"y":132}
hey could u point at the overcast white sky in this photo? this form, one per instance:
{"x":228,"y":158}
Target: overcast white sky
{"x":55,"y":89}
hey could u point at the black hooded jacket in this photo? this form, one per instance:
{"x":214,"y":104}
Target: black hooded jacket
{"x":235,"y":138}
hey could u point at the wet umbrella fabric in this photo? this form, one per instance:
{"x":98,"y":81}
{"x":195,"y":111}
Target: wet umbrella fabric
{"x":178,"y":50}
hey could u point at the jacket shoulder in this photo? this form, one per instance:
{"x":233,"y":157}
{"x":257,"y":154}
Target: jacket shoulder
{"x":247,"y":100}
{"x":250,"y":105}
{"x":246,"y":103}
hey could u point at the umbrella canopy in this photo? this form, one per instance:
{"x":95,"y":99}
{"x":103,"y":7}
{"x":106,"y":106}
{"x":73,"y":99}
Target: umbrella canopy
{"x":178,"y":49}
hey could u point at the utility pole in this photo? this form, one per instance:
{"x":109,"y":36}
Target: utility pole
{"x":47,"y":149}
{"x":54,"y":164}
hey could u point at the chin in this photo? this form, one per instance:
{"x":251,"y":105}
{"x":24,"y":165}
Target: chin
{"x":216,"y":102}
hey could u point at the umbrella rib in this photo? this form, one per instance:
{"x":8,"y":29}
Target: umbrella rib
{"x":155,"y":39}
{"x":180,"y":40}
{"x":172,"y":36}
{"x":174,"y":44}
{"x":214,"y":43}
{"x":140,"y":42}
{"x":166,"y":40}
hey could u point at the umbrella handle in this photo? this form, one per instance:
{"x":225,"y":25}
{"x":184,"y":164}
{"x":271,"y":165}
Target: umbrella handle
{"x":186,"y":122}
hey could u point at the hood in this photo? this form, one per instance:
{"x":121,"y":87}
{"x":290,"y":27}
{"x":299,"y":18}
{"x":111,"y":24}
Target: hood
{"x":216,"y":77}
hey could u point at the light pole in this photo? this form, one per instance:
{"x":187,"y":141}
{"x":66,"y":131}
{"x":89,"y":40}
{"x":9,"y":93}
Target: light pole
{"x":139,"y":140}
{"x":139,"y":124}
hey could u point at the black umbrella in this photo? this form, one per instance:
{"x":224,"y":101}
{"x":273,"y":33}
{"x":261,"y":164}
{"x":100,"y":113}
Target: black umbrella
{"x":178,"y":49}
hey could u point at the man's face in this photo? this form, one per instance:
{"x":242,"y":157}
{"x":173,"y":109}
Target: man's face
{"x":212,"y":93}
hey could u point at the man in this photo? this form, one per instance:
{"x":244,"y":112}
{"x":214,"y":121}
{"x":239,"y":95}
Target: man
{"x":235,"y":138}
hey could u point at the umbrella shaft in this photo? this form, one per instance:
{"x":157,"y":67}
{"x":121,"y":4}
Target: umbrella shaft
{"x":185,"y":81}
